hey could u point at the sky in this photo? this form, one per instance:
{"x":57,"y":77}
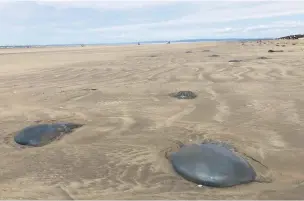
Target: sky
{"x":44,"y":22}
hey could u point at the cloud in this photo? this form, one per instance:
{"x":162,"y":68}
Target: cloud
{"x":70,"y":21}
{"x":104,"y":5}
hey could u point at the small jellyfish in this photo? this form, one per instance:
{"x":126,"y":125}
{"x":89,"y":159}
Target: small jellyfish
{"x":184,"y":95}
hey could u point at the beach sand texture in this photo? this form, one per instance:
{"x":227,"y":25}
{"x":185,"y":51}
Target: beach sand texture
{"x":121,"y":93}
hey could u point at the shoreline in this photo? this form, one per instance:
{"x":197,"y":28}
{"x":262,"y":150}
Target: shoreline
{"x":132,"y":43}
{"x":46,"y":49}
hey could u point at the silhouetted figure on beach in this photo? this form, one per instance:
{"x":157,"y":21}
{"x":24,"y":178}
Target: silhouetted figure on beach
{"x":168,"y":42}
{"x":259,"y":42}
{"x":138,"y":43}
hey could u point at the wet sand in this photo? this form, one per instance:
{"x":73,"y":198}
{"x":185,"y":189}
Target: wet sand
{"x":131,"y":123}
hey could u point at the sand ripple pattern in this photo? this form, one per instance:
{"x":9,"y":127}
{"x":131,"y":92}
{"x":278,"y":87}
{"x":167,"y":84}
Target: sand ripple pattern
{"x":131,"y":124}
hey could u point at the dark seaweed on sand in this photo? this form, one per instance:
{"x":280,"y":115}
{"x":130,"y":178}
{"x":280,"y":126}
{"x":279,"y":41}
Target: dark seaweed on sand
{"x":271,"y":51}
{"x":235,"y":61}
{"x":263,"y":58}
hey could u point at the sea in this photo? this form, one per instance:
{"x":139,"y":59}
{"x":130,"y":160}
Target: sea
{"x":141,"y":42}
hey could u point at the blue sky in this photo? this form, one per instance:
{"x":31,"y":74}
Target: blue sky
{"x":66,"y":22}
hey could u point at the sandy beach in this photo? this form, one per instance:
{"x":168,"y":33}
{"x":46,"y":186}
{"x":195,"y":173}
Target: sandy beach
{"x":121,"y":93}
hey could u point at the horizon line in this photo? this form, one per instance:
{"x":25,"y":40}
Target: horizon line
{"x":147,"y":42}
